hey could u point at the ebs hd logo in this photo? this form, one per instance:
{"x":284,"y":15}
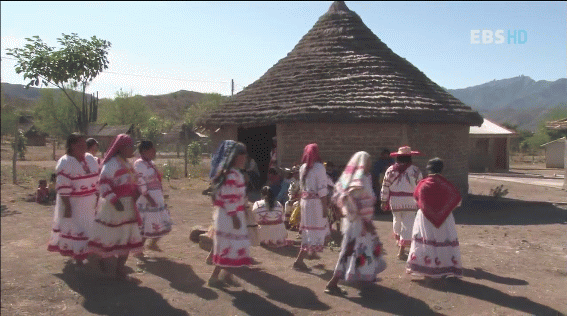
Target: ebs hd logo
{"x":499,"y":37}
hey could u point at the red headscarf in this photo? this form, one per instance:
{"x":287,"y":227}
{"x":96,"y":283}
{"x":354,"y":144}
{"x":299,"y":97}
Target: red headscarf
{"x":310,"y":157}
{"x":436,"y":197}
{"x":120,"y":141}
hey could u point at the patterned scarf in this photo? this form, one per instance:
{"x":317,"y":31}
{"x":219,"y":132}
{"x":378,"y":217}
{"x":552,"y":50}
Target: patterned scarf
{"x":437,"y":198}
{"x":221,"y":161}
{"x":120,"y":141}
{"x":310,"y":157}
{"x":351,"y":178}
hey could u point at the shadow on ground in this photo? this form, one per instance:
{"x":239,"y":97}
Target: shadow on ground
{"x":491,"y":295}
{"x":479,"y":273}
{"x":104,"y":296}
{"x":388,"y":300}
{"x":254,"y":305}
{"x":181,"y":276}
{"x":281,"y":290}
{"x":486,"y":210}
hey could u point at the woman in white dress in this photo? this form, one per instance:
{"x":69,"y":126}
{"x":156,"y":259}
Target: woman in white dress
{"x":314,"y":224}
{"x":434,"y":250}
{"x":270,"y":219}
{"x":361,"y":253}
{"x":75,"y":204}
{"x":156,"y":221}
{"x":231,"y":245}
{"x":116,"y":229}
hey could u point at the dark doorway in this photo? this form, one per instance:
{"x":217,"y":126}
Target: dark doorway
{"x":500,"y":149}
{"x":258,"y":141}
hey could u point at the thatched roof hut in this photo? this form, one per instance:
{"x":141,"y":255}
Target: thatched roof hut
{"x":341,"y":78}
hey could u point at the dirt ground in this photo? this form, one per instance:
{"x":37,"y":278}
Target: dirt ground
{"x":514,"y":251}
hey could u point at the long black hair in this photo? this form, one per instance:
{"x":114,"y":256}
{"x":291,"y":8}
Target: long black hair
{"x":72,"y":139}
{"x":268,"y":196}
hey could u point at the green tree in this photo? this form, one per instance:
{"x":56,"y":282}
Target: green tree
{"x":19,"y":144}
{"x":55,"y":114}
{"x":125,"y":109}
{"x":8,"y":117}
{"x":194,"y":152}
{"x":75,"y":65}
{"x":154,"y":127}
{"x":209,"y":103}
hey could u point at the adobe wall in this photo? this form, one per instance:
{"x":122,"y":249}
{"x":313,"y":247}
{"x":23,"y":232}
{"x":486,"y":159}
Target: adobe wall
{"x":338,"y":142}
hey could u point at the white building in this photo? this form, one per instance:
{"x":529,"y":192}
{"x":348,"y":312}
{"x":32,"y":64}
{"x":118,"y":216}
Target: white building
{"x":555,"y":153}
{"x":489,"y":147}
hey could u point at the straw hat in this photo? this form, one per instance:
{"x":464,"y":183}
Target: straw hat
{"x":405,"y":150}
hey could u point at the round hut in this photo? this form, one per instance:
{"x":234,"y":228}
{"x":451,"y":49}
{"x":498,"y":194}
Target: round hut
{"x":344,"y":89}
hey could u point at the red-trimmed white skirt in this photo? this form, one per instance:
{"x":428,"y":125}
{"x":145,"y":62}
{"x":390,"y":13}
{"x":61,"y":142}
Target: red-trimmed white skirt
{"x":116,"y":233}
{"x":70,"y":236}
{"x":156,"y":221}
{"x":403,"y":222}
{"x":231,"y":247}
{"x":434,"y":252}
{"x":314,"y":226}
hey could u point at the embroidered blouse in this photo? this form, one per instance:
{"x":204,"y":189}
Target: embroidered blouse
{"x":231,"y":196}
{"x":76,"y":179}
{"x":117,"y":179}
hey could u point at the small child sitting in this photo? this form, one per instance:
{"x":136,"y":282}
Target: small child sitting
{"x":51,"y":187}
{"x":42,"y":194}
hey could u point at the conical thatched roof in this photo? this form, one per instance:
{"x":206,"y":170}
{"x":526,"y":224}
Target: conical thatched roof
{"x":341,"y":72}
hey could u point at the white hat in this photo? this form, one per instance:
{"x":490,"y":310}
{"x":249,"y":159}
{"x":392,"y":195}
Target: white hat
{"x":405,"y":150}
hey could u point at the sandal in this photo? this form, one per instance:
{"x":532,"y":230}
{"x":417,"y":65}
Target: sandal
{"x":335,"y":291}
{"x":300,"y":266}
{"x":231,"y":282}
{"x":155,"y":248}
{"x":216,"y":283}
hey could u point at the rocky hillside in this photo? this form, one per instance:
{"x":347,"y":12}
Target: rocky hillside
{"x":170,"y":106}
{"x":519,"y":101}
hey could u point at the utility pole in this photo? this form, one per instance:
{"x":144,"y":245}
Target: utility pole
{"x":232,"y":87}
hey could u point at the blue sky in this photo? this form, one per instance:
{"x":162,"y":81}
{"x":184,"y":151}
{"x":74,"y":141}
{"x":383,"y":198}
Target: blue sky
{"x":163,"y":47}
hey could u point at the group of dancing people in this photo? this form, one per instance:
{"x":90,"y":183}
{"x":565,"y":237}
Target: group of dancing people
{"x":422,"y":216}
{"x":107,"y":207}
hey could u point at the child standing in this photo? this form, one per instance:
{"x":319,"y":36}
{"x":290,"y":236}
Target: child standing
{"x":156,"y":221}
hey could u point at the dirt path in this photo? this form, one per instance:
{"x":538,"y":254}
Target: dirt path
{"x":514,"y":253}
{"x":515,"y":258}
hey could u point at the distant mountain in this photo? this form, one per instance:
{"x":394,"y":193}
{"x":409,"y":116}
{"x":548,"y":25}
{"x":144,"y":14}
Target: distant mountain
{"x":170,"y":106}
{"x":519,"y":101}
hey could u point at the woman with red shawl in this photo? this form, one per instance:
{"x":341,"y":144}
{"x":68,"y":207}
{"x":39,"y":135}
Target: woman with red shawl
{"x":314,"y":225}
{"x":434,"y":250}
{"x":116,"y":229}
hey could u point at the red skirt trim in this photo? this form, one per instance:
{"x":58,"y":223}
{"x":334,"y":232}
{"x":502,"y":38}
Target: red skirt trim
{"x":434,"y":243}
{"x":69,"y":236}
{"x":67,"y":253}
{"x":229,"y":262}
{"x":132,"y":221}
{"x":434,"y":271}
{"x":100,"y":247}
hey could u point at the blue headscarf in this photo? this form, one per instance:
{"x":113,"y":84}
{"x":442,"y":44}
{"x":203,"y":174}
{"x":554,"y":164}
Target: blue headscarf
{"x":221,"y":161}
